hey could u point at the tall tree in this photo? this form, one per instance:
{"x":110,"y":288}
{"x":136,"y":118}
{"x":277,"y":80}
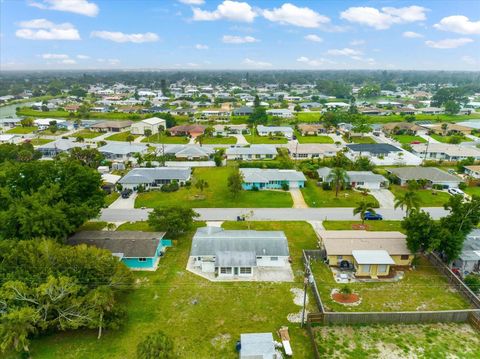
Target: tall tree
{"x":338,"y":176}
{"x":362,"y":208}
{"x":173,"y":220}
{"x":422,"y":232}
{"x":410,"y":201}
{"x":234,"y":183}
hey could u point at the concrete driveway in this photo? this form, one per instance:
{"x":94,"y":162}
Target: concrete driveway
{"x":297,"y":197}
{"x":124,"y":203}
{"x":385,"y":198}
{"x":241,"y":140}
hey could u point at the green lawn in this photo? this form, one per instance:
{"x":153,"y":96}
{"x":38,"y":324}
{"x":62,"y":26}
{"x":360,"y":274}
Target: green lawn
{"x":402,"y":341}
{"x":110,"y":198}
{"x":422,"y":288}
{"x":121,"y":136}
{"x":20,"y":130}
{"x":316,"y":197}
{"x":313,"y":139}
{"x":421,"y":117}
{"x":39,"y":141}
{"x":204,"y":319}
{"x":362,"y":139}
{"x":135,"y":226}
{"x":473,"y":191}
{"x":407,"y":139}
{"x":86,"y":134}
{"x":92,"y":226}
{"x":428,"y":198}
{"x":166,"y":139}
{"x":308,"y":116}
{"x":371,"y":225}
{"x":219,"y":140}
{"x":216,"y":195}
{"x":58,"y":132}
{"x":447,"y":139}
{"x":256,"y":139}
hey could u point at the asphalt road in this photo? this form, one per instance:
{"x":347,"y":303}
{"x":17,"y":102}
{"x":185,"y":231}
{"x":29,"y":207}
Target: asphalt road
{"x":265,"y":214}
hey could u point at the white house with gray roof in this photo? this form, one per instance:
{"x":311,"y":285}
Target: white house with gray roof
{"x":152,"y":124}
{"x":151,"y":178}
{"x":254,"y":152}
{"x":433,"y":175}
{"x":273,"y":130}
{"x":52,"y":149}
{"x":357,"y":179}
{"x":445,"y":151}
{"x":190,"y":152}
{"x":271,"y":178}
{"x":469,"y":259}
{"x":122,"y":151}
{"x":237,"y":253}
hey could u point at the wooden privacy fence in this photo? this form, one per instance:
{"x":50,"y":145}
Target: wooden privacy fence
{"x":317,"y":255}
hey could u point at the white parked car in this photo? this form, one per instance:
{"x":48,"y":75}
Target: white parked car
{"x":455,"y":191}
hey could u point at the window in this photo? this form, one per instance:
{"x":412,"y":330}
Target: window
{"x":259,"y":257}
{"x":273,"y":259}
{"x":142,"y":259}
{"x":339,"y":258}
{"x":382,"y":268}
{"x":245,"y":270}
{"x":365,"y":268}
{"x":226,"y":270}
{"x":404,"y":257}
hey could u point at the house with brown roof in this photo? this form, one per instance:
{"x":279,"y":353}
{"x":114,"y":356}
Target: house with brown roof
{"x":187,"y":130}
{"x":370,"y":254}
{"x":408,"y":128}
{"x":307,"y":129}
{"x":112,"y":126}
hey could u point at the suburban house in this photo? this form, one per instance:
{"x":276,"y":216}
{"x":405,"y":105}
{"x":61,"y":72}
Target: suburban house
{"x":243,"y":111}
{"x":237,"y":253}
{"x":469,"y":259}
{"x":472,"y":171}
{"x":225,"y":130}
{"x":432,"y":110}
{"x":382,"y":154}
{"x":109,"y":181}
{"x":156,"y":177}
{"x":271,"y":178}
{"x":357,"y":179}
{"x":275,"y":130}
{"x":52,"y":149}
{"x":311,"y":129}
{"x":9,"y":138}
{"x":187,"y":130}
{"x":254,"y":152}
{"x":257,"y":346}
{"x":371,"y":254}
{"x":122,"y":151}
{"x":433,"y":175}
{"x":280,"y":112}
{"x":151,"y":124}
{"x":44,"y":123}
{"x":312,"y":150}
{"x":137,"y":250}
{"x":445,"y":151}
{"x":112,"y":126}
{"x":190,"y":152}
{"x":450,"y":128}
{"x":406,"y":128}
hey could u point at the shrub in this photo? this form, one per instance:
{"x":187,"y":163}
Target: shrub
{"x":437,"y":186}
{"x":255,"y":188}
{"x":473,"y":282}
{"x":462,"y":185}
{"x":170,"y":187}
{"x":156,"y":346}
{"x":345,"y":291}
{"x":326,"y":186}
{"x":285,"y":186}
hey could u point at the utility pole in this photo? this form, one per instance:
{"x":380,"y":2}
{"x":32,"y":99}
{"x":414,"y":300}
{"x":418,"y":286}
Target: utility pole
{"x":305,"y":285}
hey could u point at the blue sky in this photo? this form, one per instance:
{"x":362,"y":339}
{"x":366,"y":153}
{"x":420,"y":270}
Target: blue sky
{"x":260,"y":34}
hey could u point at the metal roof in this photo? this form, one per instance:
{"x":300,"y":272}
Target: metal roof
{"x":212,"y":240}
{"x":430,"y":173}
{"x":372,"y":257}
{"x":375,"y":148}
{"x":131,"y":244}
{"x":150,"y":175}
{"x":190,"y":151}
{"x":261,"y":175}
{"x":123,"y":148}
{"x":354,"y":176}
{"x":261,"y":128}
{"x":253,"y":150}
{"x":61,"y":145}
{"x":471,"y":247}
{"x":257,"y":346}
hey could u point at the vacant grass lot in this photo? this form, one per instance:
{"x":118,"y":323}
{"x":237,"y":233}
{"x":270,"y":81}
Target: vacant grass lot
{"x":39,"y":141}
{"x":422,"y":288}
{"x":473,"y":191}
{"x":442,"y":340}
{"x":362,"y":139}
{"x":121,"y":136}
{"x":176,"y":140}
{"x":428,"y":197}
{"x":20,"y":130}
{"x":316,"y":197}
{"x":219,"y":140}
{"x":256,"y":139}
{"x":86,"y":134}
{"x":204,"y":319}
{"x":308,"y":116}
{"x":216,"y":195}
{"x":313,"y":139}
{"x":421,"y":117}
{"x":448,"y":139}
{"x":371,"y":225}
{"x":407,"y":139}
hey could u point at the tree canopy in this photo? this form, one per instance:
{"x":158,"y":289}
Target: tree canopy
{"x":173,"y":220}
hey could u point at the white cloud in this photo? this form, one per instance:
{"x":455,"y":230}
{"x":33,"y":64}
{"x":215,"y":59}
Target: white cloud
{"x":289,"y":14}
{"x":459,"y":24}
{"x":385,"y":17}
{"x":344,"y":52}
{"x":448,"y":43}
{"x":201,"y":47}
{"x":357,"y":42}
{"x":54,"y":56}
{"x":83,"y":57}
{"x":192,"y":64}
{"x":469,"y":60}
{"x":68,"y":62}
{"x":228,"y":10}
{"x":314,"y":62}
{"x":231,"y":39}
{"x":313,"y":37}
{"x":42,"y":29}
{"x":117,"y":36}
{"x":109,"y":61}
{"x":62,"y":59}
{"x":192,"y":2}
{"x":254,"y":63}
{"x":412,"y":35}
{"x":82,"y":7}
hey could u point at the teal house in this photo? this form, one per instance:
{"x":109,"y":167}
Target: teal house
{"x":138,"y":250}
{"x":271,"y":178}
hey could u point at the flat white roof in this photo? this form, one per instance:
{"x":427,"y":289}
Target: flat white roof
{"x":372,"y":257}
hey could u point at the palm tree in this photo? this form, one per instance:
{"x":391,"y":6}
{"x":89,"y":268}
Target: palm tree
{"x":364,"y":207}
{"x":409,"y":201}
{"x":338,"y":176}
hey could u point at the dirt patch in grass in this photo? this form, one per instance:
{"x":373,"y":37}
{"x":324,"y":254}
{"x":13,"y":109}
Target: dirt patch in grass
{"x":346,"y":298}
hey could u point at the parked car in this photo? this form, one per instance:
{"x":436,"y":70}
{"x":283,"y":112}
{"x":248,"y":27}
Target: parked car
{"x":370,"y":216}
{"x":456,"y":191}
{"x":126,"y":193}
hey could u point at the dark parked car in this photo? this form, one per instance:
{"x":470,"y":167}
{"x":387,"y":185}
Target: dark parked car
{"x":126,"y":193}
{"x":369,"y":216}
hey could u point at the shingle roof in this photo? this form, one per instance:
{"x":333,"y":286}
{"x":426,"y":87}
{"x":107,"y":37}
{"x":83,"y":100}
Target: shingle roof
{"x":375,"y":148}
{"x":253,"y":150}
{"x":266,"y":175}
{"x":235,"y":259}
{"x":61,"y":145}
{"x":131,"y":244}
{"x":123,"y":148}
{"x":212,"y":240}
{"x":355,"y":176}
{"x":449,"y":149}
{"x":150,"y":175}
{"x":190,"y":151}
{"x":113,"y":124}
{"x":430,"y":173}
